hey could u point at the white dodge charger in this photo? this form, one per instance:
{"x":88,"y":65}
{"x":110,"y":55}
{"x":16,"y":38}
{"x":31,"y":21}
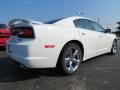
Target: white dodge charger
{"x":63,"y":43}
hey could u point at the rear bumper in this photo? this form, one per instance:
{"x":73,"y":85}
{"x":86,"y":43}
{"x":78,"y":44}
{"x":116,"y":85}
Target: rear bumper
{"x":33,"y":62}
{"x":32,"y":56}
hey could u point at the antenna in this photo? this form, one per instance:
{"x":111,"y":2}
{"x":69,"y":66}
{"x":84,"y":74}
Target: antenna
{"x":80,"y":13}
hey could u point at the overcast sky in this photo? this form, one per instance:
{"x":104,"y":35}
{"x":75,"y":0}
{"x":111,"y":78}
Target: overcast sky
{"x":108,"y":11}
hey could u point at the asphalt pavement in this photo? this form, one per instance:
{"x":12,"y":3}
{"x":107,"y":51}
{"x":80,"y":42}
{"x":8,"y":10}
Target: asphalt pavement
{"x":99,"y":73}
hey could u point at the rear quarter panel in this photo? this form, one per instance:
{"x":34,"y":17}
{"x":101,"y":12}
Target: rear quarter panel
{"x":54,"y":35}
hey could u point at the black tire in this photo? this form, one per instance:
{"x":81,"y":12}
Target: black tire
{"x":70,"y":58}
{"x":114,"y":48}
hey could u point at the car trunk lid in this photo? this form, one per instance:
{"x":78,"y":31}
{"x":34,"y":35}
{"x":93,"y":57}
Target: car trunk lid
{"x":22,"y":29}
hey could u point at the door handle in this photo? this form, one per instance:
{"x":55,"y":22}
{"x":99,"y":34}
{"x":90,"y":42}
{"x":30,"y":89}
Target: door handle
{"x":83,"y":33}
{"x":100,"y":36}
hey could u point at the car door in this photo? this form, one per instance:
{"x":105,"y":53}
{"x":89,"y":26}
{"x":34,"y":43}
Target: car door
{"x":88,"y":36}
{"x":104,"y":40}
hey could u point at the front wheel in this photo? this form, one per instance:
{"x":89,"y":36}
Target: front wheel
{"x":70,"y":58}
{"x":114,"y":48}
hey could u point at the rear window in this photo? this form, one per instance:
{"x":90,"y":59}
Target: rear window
{"x":53,"y":21}
{"x":3,"y":26}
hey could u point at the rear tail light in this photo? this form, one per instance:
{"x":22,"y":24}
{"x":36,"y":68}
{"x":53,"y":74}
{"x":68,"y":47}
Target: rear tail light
{"x":23,"y":32}
{"x":26,"y":34}
{"x":4,"y":33}
{"x":1,"y":33}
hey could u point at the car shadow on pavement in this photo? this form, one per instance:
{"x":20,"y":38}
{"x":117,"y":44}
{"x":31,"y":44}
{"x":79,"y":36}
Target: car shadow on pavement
{"x":11,"y":72}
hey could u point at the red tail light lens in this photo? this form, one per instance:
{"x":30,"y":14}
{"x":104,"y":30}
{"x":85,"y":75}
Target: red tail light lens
{"x":26,"y":34}
{"x":23,"y":32}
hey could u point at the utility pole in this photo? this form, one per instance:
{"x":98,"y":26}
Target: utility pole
{"x":98,"y":20}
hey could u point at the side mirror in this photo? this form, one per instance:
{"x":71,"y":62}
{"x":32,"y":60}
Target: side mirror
{"x":107,"y":30}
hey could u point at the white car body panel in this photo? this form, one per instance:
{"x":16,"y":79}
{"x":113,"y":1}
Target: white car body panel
{"x":33,"y":54}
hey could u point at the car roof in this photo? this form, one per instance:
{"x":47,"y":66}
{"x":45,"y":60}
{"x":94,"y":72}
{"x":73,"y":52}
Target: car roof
{"x":76,"y":17}
{"x":68,"y":21}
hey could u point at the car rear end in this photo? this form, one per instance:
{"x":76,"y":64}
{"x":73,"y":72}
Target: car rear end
{"x":27,"y":47}
{"x":4,"y":35}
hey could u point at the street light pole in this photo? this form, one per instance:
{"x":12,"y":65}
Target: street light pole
{"x":98,"y":20}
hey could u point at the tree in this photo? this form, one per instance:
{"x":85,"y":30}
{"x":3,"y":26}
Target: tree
{"x":118,"y":30}
{"x":118,"y":26}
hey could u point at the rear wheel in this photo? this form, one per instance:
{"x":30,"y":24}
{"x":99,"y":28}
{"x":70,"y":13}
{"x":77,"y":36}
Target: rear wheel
{"x":114,"y":48}
{"x":70,"y":58}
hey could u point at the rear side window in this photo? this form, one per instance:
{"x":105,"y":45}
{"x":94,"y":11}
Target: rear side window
{"x":3,"y":26}
{"x":83,"y":23}
{"x":53,"y":21}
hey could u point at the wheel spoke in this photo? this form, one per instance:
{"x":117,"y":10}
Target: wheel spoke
{"x":76,"y":61}
{"x":70,"y":66}
{"x":66,"y":59}
{"x":75,"y":53}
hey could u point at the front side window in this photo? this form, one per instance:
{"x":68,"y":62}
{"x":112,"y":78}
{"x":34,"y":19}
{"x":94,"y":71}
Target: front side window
{"x":83,"y":23}
{"x":97,"y":27}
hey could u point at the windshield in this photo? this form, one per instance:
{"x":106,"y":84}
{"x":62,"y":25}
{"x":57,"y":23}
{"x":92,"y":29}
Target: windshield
{"x":3,"y":26}
{"x":53,"y":21}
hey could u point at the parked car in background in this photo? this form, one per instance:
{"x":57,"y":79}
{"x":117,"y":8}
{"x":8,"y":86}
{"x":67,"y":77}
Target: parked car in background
{"x":62,"y":43}
{"x":4,"y":35}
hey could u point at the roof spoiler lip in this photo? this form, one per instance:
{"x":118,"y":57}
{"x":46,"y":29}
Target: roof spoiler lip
{"x":23,"y":21}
